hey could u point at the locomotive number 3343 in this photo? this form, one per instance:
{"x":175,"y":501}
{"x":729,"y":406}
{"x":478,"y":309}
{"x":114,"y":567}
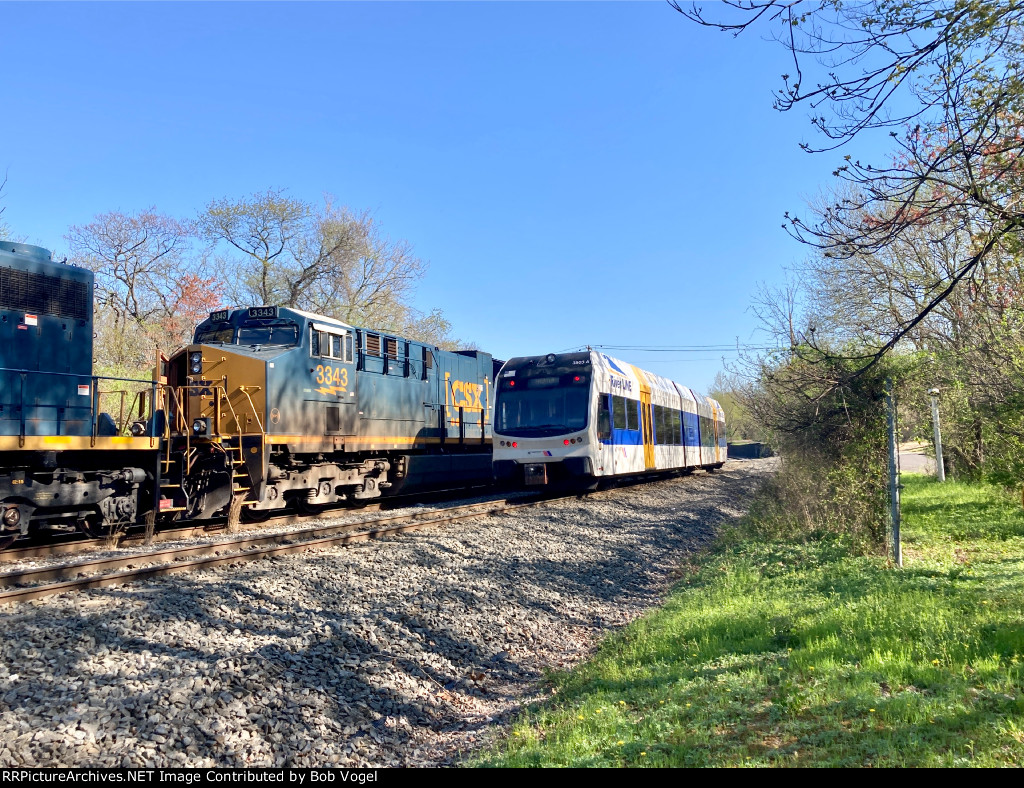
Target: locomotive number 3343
{"x":332,"y":376}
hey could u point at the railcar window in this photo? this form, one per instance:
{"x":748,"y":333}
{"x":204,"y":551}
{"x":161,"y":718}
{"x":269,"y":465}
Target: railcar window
{"x":373,"y":344}
{"x":542,"y":411}
{"x":258,"y":331}
{"x":675,"y":426}
{"x":632,"y":414}
{"x":604,"y":418}
{"x":619,"y":412}
{"x":348,"y":348}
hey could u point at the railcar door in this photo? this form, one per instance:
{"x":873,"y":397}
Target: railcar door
{"x":648,"y":432}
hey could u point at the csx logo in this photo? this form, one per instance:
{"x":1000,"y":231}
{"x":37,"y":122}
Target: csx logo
{"x":466,"y":395}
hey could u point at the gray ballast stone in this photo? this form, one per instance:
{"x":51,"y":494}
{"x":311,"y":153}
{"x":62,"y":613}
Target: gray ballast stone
{"x":407,"y":651}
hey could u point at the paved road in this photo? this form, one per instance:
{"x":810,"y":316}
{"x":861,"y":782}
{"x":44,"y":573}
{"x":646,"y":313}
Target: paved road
{"x":913,"y":459}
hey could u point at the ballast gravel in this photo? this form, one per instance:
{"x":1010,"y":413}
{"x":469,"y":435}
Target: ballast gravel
{"x":411,"y":651}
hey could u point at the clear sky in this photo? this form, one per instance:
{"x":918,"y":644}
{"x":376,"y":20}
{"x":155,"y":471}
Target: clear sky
{"x":574,"y":173}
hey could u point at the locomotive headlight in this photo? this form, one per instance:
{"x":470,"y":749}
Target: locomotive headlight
{"x":199,"y":426}
{"x":195,"y":363}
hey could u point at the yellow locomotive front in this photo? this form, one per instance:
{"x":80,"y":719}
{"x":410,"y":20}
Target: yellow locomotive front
{"x":216,"y":409}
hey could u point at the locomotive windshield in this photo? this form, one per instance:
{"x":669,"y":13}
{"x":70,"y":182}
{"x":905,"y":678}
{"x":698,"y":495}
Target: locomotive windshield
{"x":283,"y":333}
{"x":543,"y":406}
{"x":219,"y":332}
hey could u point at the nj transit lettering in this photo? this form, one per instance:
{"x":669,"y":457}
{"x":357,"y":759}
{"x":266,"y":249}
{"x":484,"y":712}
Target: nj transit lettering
{"x":622,"y":384}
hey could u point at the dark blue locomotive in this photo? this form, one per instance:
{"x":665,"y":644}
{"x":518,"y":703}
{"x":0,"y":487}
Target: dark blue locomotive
{"x":272,"y":406}
{"x":64,"y":461}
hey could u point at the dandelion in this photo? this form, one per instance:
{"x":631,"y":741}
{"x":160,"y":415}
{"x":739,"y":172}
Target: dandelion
{"x":871,"y":710}
{"x":811,"y":667}
{"x":688,"y":705}
{"x":621,"y":742}
{"x":935,"y":662}
{"x":661,"y":702}
{"x":622,"y":703}
{"x":984,"y":601}
{"x":598,"y":711}
{"x":642,"y":754}
{"x":579,"y":717}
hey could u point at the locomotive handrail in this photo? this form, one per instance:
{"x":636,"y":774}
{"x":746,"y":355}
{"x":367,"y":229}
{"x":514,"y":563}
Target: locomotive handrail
{"x":92,"y":408}
{"x":259,"y":423}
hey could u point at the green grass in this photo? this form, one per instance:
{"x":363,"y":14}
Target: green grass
{"x":805,"y":654}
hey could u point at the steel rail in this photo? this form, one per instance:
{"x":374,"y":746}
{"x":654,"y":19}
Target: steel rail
{"x":214,"y":526}
{"x":279,"y":544}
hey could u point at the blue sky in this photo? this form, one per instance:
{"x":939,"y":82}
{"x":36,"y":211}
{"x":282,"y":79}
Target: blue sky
{"x":574,"y":173}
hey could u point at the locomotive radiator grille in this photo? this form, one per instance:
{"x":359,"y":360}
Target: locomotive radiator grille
{"x":23,"y":291}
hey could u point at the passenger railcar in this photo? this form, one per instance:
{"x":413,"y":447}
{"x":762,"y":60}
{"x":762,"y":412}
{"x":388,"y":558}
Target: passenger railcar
{"x":64,"y":461}
{"x":271,"y":406}
{"x":581,"y":417}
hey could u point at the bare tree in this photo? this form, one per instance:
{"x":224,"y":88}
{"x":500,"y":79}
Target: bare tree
{"x":325,"y":259}
{"x":945,"y":79}
{"x":143,"y":267}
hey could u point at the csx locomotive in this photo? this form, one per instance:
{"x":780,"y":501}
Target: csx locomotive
{"x":65,"y":462}
{"x":581,"y":417}
{"x":271,"y":406}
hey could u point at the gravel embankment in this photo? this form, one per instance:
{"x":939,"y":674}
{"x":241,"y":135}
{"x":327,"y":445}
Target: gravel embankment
{"x":403,"y":652}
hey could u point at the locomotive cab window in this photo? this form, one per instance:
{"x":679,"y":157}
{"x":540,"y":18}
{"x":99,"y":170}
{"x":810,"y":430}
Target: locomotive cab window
{"x":219,"y":332}
{"x":268,"y":331}
{"x":327,"y":344}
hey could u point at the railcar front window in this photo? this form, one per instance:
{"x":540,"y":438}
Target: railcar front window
{"x":283,"y":333}
{"x":542,"y":412}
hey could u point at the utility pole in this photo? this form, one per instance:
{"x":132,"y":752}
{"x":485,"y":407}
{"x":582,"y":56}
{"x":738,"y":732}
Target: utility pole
{"x":894,"y":475}
{"x":940,"y":469}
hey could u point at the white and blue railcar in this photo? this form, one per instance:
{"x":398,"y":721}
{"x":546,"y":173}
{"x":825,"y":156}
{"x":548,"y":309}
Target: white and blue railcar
{"x":579,"y":417}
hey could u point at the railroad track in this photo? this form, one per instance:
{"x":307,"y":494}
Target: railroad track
{"x":78,"y":543}
{"x":37,"y":583}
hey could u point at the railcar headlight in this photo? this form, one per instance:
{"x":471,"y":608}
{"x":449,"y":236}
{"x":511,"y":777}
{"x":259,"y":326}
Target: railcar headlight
{"x":200,"y":426}
{"x":195,"y":363}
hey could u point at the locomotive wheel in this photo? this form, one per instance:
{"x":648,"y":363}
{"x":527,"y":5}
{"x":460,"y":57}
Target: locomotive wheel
{"x":305,"y":507}
{"x":6,"y":540}
{"x":251,"y":515}
{"x":93,"y":526}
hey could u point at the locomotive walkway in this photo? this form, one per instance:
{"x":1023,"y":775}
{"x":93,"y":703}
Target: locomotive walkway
{"x":406,"y":651}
